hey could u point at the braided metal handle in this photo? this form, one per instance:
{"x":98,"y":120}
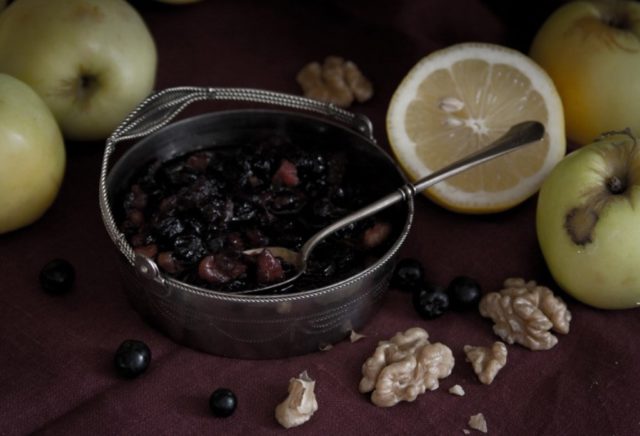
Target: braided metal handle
{"x":160,"y":108}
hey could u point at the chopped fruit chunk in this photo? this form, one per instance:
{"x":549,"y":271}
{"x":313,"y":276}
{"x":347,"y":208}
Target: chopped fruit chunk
{"x":269,"y":268}
{"x":287,"y":174}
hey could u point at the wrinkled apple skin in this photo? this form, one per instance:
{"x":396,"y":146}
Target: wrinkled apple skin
{"x":595,"y":67}
{"x":32,"y":155}
{"x":604,"y":273}
{"x":53,"y":44}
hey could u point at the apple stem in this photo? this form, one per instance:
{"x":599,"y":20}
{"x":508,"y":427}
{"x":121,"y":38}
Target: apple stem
{"x":616,"y":185}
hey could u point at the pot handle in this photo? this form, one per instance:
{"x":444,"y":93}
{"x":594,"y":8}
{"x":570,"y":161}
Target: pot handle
{"x":157,"y":110}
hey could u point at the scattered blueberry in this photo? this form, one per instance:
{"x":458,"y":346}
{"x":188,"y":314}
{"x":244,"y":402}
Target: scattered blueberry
{"x":430,"y":301}
{"x":408,"y":274}
{"x":132,"y":358}
{"x":222,"y":402}
{"x":57,"y":277}
{"x":464,"y":293}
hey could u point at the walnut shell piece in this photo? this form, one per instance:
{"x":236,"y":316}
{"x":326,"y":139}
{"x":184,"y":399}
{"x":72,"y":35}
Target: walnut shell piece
{"x":525,"y":313}
{"x":404,"y":367}
{"x":300,"y":404}
{"x":336,"y":81}
{"x":487,"y":362}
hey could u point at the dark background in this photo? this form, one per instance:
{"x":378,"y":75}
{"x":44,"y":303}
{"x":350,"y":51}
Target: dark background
{"x":55,"y":353}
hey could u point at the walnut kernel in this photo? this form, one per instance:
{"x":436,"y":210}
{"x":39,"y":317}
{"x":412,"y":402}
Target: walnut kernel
{"x":487,"y":362}
{"x":524,"y":312}
{"x":477,"y":422}
{"x":335,"y":81}
{"x":357,"y":82}
{"x":404,"y":367}
{"x":300,"y":404}
{"x":355,"y":336}
{"x":457,"y":390}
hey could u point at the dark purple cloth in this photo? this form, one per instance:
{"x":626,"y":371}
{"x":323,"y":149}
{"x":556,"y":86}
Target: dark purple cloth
{"x":56,"y":374}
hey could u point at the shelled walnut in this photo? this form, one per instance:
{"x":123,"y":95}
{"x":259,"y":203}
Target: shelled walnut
{"x":355,"y":336}
{"x":404,"y":367}
{"x":336,"y":81}
{"x":457,"y":390}
{"x":478,"y":422}
{"x":487,"y":362}
{"x":524,"y":312}
{"x":300,"y":404}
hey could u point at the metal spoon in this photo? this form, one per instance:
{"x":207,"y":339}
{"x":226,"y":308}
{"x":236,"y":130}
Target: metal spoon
{"x":517,"y":136}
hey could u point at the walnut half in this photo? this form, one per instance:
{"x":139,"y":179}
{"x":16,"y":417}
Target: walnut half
{"x":335,"y":81}
{"x":524,"y":312}
{"x":404,"y":367}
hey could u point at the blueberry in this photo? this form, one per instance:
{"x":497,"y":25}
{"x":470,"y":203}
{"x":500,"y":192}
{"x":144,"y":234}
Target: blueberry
{"x":132,"y":358}
{"x":167,"y":228}
{"x":57,"y":277}
{"x":430,"y":301}
{"x":408,"y":274}
{"x":464,"y":292}
{"x":244,"y":211}
{"x":222,"y":402}
{"x":189,"y":248}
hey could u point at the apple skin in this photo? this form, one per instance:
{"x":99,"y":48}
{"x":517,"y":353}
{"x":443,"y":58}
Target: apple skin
{"x":595,"y":67}
{"x":32,"y":155}
{"x":92,"y":61}
{"x":604,"y":271}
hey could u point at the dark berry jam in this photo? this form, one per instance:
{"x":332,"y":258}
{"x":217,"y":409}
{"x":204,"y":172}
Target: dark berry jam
{"x":197,"y":214}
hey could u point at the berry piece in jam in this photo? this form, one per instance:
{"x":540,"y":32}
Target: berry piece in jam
{"x":269,"y":268}
{"x":220,"y":268}
{"x":287,"y":174}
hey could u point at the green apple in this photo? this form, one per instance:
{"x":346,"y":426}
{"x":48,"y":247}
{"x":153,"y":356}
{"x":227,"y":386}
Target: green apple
{"x":32,"y":155}
{"x":92,"y":61}
{"x":588,"y":222}
{"x":591,"y":50}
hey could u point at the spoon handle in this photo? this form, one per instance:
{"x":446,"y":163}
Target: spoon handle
{"x":517,"y":136}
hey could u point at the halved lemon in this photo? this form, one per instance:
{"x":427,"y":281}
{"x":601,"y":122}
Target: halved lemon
{"x":458,"y":100}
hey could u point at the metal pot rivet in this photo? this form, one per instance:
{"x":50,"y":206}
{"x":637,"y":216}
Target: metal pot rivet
{"x":146,"y":267}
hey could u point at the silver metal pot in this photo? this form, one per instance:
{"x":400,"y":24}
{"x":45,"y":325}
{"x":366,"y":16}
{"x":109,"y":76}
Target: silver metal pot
{"x":244,"y":326}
